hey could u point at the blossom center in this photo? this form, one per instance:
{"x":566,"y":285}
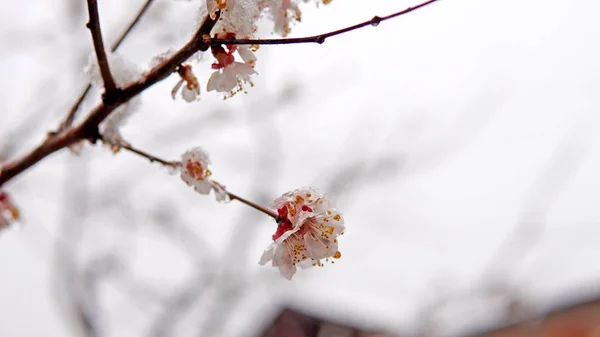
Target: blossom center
{"x":196,"y":170}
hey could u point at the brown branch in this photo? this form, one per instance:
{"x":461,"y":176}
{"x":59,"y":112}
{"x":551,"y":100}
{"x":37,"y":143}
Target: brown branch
{"x":201,"y":41}
{"x":75,"y":107}
{"x":73,"y":111}
{"x":147,"y":155}
{"x":88,"y":129}
{"x":139,"y":15}
{"x":94,"y":27}
{"x":255,"y":206}
{"x":376,"y":20}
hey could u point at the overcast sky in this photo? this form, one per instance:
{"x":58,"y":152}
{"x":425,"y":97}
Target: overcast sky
{"x":459,"y":141}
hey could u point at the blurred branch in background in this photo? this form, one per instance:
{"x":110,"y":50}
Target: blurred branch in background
{"x":495,"y":288}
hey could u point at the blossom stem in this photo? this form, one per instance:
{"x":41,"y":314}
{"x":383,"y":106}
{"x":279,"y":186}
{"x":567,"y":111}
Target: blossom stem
{"x":146,"y":155}
{"x":232,"y":196}
{"x":376,"y":20}
{"x":257,"y":207}
{"x":129,"y":28}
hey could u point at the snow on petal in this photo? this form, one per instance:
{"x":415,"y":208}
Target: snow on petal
{"x":239,"y":16}
{"x":220,"y":192}
{"x":189,"y":95}
{"x":194,"y":170}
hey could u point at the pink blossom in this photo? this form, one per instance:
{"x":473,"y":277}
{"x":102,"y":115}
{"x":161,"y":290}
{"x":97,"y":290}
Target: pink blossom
{"x":231,"y":76}
{"x":307,"y":231}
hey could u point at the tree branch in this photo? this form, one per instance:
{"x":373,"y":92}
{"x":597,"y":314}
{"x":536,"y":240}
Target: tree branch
{"x":201,"y":41}
{"x":375,"y":21}
{"x":255,"y":206}
{"x":75,"y":107}
{"x":88,"y":129}
{"x":94,"y":27}
{"x":139,"y":15}
{"x":147,"y":155}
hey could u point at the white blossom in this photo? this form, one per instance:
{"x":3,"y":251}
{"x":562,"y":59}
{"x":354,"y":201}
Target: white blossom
{"x":195,"y":173}
{"x":232,"y":78}
{"x":194,"y":170}
{"x":238,"y":16}
{"x":307,"y":231}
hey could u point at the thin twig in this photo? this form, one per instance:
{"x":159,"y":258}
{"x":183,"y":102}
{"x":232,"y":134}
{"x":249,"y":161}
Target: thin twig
{"x":94,"y":27}
{"x":73,"y":111}
{"x":232,"y":196}
{"x":139,"y":15}
{"x":147,"y":155}
{"x":376,"y":20}
{"x":257,"y":207}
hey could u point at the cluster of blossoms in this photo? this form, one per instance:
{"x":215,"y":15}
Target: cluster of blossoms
{"x":195,"y":173}
{"x":238,"y":20}
{"x":8,"y":211}
{"x":307,"y":231}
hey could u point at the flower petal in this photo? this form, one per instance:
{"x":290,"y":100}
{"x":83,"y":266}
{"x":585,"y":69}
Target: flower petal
{"x":189,"y":95}
{"x":267,"y":255}
{"x":283,"y":260}
{"x":318,"y":248}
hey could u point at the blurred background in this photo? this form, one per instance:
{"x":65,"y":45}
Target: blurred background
{"x":459,"y":141}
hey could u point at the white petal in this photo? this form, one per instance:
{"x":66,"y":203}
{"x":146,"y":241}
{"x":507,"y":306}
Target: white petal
{"x":202,"y":186}
{"x":247,"y":55}
{"x":176,"y":88}
{"x":267,"y":255}
{"x":287,"y":271}
{"x":188,"y":95}
{"x":280,"y":256}
{"x":188,"y":179}
{"x":319,"y":248}
{"x":305,"y":264}
{"x":196,"y":154}
{"x":241,"y":69}
{"x":212,"y":81}
{"x":283,"y":260}
{"x":223,"y":81}
{"x":220,"y":192}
